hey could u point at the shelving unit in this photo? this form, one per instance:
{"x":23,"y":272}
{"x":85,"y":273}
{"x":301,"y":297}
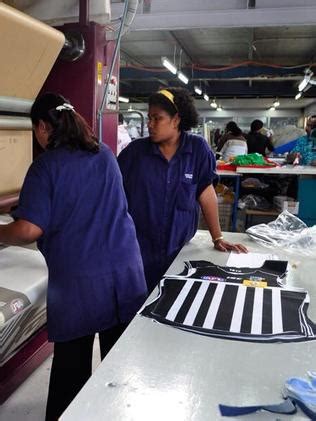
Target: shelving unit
{"x":306,"y":188}
{"x":253,"y":212}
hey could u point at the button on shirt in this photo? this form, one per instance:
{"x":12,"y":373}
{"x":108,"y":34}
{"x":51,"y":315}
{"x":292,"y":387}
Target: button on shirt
{"x":96,"y":277}
{"x":162,"y":195}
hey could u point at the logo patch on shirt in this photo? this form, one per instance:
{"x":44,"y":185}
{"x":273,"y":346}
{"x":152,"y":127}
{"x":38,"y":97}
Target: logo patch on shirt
{"x":190,"y":176}
{"x":16,"y":305}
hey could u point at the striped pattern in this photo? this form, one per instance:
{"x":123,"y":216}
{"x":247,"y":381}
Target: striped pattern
{"x":233,"y":310}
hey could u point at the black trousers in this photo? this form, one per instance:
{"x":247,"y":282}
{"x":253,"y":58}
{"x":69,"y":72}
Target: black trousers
{"x":72,"y":367}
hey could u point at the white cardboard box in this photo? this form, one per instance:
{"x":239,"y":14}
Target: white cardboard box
{"x":283,"y":203}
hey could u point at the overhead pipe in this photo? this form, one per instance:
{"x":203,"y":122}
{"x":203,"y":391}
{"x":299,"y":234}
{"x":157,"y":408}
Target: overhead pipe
{"x":15,"y":123}
{"x":74,"y":46}
{"x":84,"y":12}
{"x":17,"y":105}
{"x":130,"y":15}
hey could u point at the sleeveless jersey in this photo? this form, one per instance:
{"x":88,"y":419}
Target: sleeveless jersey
{"x":233,"y":310}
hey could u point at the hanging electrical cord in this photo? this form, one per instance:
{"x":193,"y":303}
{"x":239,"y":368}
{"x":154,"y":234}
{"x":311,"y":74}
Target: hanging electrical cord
{"x":131,"y":12}
{"x":125,"y":23}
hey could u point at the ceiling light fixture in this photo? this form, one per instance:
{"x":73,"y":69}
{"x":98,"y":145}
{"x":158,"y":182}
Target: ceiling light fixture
{"x":206,"y":97}
{"x":306,"y":81}
{"x":183,"y":78}
{"x":272,"y":108}
{"x":197,"y":90}
{"x":213,"y":104}
{"x":123,"y":99}
{"x":219,"y":108}
{"x":298,"y":95}
{"x":168,"y":65}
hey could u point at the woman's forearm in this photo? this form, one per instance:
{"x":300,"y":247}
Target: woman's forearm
{"x":19,"y":233}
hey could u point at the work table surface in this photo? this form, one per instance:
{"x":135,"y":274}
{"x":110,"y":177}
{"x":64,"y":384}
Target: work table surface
{"x":156,"y":372}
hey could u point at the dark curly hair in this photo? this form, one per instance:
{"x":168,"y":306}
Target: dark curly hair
{"x":232,"y":127}
{"x":183,"y":105}
{"x":68,"y":127}
{"x":256,"y":125}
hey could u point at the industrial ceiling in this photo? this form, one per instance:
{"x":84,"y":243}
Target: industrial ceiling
{"x":232,"y":49}
{"x":254,"y":50}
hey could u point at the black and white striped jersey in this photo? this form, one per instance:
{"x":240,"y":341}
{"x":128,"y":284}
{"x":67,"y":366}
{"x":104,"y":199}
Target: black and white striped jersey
{"x":233,"y":311}
{"x":270,"y":273}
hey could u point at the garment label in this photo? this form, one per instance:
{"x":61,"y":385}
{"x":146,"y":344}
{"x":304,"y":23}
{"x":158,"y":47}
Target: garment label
{"x":255,"y":284}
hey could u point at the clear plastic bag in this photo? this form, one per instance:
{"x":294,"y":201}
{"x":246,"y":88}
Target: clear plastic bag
{"x":252,"y":201}
{"x":287,"y":233}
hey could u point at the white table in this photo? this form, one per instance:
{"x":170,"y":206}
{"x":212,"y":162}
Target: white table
{"x":158,"y":373}
{"x":285,"y":169}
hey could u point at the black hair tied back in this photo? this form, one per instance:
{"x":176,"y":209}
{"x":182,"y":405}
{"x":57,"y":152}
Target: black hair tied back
{"x":69,"y":129}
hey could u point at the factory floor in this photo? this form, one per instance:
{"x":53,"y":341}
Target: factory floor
{"x":28,"y":402}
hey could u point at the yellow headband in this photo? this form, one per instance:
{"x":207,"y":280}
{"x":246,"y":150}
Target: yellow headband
{"x":169,"y":96}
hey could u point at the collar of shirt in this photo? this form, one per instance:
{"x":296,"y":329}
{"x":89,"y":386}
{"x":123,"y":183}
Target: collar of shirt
{"x":185,"y":146}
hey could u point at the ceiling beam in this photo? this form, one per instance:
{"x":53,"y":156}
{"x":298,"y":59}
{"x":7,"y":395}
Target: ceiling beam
{"x":225,"y":90}
{"x":208,"y":17}
{"x":246,"y":71}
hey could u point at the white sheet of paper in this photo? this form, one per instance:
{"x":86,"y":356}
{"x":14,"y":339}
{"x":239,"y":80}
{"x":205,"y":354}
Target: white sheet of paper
{"x":250,"y":260}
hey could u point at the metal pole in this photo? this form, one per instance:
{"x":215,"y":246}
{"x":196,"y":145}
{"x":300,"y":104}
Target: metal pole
{"x":84,"y":12}
{"x":117,"y":46}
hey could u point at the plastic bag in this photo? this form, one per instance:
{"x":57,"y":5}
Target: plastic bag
{"x":252,"y":201}
{"x":288,"y":233}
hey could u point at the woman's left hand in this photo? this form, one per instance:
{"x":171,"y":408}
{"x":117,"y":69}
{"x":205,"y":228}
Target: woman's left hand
{"x":223,"y":245}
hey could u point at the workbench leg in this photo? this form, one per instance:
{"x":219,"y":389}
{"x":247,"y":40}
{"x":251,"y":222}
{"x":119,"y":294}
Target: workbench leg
{"x":235,"y":204}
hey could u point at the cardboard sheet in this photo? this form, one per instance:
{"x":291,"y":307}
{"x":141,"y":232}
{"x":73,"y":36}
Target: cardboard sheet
{"x":15,"y":159}
{"x":28,"y":50}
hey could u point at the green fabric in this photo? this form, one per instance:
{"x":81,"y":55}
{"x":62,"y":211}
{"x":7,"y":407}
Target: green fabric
{"x":250,"y":159}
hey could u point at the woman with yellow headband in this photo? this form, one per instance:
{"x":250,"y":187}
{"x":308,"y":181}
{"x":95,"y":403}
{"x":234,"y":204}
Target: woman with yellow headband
{"x":167,"y":176}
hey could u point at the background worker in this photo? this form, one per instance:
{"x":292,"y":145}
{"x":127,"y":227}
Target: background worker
{"x":304,"y":151}
{"x":232,"y":143}
{"x":123,"y":137}
{"x":256,"y":141}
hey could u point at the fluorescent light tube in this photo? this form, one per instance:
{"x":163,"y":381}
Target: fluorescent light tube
{"x":213,"y":104}
{"x":206,"y":97}
{"x":304,"y":83}
{"x":183,"y":78}
{"x":123,"y":99}
{"x":171,"y":67}
{"x":198,"y":90}
{"x":276,"y":103}
{"x":298,"y":95}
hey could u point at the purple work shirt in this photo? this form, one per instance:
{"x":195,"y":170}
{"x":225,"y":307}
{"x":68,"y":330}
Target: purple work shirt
{"x":163,"y":196}
{"x":96,"y":277}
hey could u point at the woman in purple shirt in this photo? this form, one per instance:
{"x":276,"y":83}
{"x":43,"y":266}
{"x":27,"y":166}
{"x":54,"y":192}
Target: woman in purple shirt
{"x":167,"y":176}
{"x":73,"y":203}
